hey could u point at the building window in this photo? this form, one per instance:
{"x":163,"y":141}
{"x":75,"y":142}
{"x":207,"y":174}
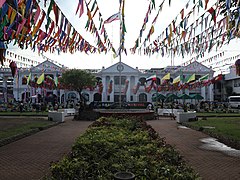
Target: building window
{"x":142,"y":97}
{"x":108,"y":98}
{"x":131,"y":98}
{"x":117,"y":80}
{"x":85,"y":96}
{"x":142,"y":81}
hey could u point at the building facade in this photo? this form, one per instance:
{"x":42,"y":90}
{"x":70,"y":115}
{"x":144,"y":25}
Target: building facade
{"x":119,"y":82}
{"x":228,"y":86}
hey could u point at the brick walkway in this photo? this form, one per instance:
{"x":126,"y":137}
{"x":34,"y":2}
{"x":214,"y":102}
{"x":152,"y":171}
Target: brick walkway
{"x":209,"y":164}
{"x":30,"y":157}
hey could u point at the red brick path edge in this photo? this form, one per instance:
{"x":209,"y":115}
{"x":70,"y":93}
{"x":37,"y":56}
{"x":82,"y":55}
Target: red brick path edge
{"x":30,"y":157}
{"x":211,"y":165}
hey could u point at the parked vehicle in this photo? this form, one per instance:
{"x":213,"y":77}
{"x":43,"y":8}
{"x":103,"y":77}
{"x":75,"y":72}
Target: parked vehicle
{"x":234,"y":101}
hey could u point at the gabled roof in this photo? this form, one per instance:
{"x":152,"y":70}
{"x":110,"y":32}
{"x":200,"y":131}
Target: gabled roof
{"x":114,"y":69}
{"x":194,"y":67}
{"x":48,"y":66}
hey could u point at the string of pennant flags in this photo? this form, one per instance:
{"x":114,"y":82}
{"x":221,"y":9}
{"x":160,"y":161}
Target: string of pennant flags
{"x":184,"y":22}
{"x":21,"y":22}
{"x":178,"y":83}
{"x":173,"y":35}
{"x":201,"y":43}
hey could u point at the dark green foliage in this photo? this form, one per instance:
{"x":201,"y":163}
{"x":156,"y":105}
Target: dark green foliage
{"x":77,"y":79}
{"x":111,"y":145}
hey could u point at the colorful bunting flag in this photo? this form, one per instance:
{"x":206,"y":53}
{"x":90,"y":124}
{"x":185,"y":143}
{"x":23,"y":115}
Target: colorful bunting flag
{"x":2,"y":2}
{"x":152,"y":78}
{"x":112,"y":18}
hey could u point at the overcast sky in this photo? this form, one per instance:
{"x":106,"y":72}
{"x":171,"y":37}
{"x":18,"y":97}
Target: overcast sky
{"x":135,"y":12}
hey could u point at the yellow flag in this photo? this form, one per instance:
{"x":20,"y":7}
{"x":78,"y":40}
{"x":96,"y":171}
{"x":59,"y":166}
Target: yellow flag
{"x":176,"y":80}
{"x":166,"y":77}
{"x":191,"y":78}
{"x":40,"y":79}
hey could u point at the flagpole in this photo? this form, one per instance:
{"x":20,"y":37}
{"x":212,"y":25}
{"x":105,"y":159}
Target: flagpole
{"x":120,"y":58}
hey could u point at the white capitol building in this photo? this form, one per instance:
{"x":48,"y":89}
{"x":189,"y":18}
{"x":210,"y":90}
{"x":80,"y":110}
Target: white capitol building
{"x":16,"y":88}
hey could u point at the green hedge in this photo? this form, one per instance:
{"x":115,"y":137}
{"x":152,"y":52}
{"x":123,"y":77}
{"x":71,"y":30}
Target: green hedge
{"x":111,"y":145}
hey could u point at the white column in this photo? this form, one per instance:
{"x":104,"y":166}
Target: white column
{"x":128,"y":93}
{"x":210,"y":92}
{"x":112,"y":93}
{"x":135,"y":96}
{"x":104,"y":93}
{"x":203,"y":93}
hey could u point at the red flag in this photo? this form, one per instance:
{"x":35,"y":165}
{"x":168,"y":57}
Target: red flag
{"x":213,"y":13}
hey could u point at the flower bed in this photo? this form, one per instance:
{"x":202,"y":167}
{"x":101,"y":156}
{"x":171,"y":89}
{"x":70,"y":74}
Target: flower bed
{"x":111,"y":145}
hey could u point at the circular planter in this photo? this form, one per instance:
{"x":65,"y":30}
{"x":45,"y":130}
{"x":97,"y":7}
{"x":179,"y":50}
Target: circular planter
{"x":124,"y":176}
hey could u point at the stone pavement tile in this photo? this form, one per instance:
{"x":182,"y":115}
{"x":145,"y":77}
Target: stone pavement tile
{"x":30,"y":157}
{"x":209,"y":164}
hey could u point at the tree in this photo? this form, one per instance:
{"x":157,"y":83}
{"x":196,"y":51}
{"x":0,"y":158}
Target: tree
{"x":77,"y":80}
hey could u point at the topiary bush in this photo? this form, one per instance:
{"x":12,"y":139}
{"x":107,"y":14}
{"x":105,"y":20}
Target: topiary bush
{"x":111,"y":145}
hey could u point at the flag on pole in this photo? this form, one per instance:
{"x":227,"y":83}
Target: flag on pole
{"x":40,"y":79}
{"x":166,"y":77}
{"x":177,"y":79}
{"x":191,"y":78}
{"x":218,"y":77}
{"x":29,"y":78}
{"x":152,"y":78}
{"x":203,"y":78}
{"x":113,"y":18}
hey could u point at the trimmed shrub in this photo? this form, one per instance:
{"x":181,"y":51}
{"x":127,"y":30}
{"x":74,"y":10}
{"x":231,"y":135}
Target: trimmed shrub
{"x":111,"y":145}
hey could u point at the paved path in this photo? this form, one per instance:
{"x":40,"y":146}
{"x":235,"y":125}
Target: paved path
{"x":209,"y":164}
{"x":29,"y":158}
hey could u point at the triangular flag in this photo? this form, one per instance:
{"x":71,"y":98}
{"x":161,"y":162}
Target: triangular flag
{"x":40,"y":79}
{"x":177,"y":79}
{"x":191,"y":78}
{"x":166,"y":77}
{"x":205,"y":77}
{"x":113,"y":18}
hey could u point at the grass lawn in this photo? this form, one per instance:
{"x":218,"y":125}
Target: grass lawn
{"x":14,"y":126}
{"x":23,"y":113}
{"x":219,"y":114}
{"x":228,"y":127}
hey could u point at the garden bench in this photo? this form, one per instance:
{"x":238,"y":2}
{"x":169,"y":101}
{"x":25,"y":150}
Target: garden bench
{"x":56,"y":116}
{"x":68,"y":112}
